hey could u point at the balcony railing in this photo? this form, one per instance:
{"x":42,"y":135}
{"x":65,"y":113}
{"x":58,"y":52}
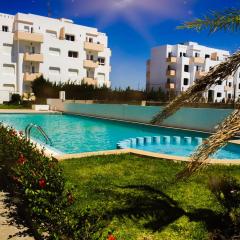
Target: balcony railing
{"x":90,"y":81}
{"x":197,"y":60}
{"x":28,"y":36}
{"x":29,"y":77}
{"x":33,"y":57}
{"x":172,"y":59}
{"x":90,"y":64}
{"x":95,"y":47}
{"x":171,"y":73}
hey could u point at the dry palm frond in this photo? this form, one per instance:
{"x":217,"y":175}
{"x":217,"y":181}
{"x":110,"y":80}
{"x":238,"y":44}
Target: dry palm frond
{"x":228,"y":129}
{"x":218,"y":73}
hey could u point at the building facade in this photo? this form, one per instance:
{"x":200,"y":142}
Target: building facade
{"x":176,"y":67}
{"x":58,"y":49}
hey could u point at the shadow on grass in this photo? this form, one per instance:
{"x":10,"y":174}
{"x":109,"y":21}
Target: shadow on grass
{"x":13,"y":212}
{"x":157,"y":208}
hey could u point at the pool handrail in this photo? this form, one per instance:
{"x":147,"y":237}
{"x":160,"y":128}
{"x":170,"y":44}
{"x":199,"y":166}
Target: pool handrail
{"x":39,"y":128}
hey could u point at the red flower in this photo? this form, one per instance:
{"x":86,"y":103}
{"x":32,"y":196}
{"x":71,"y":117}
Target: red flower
{"x":21,"y":160}
{"x":42,"y":183}
{"x":111,"y":237}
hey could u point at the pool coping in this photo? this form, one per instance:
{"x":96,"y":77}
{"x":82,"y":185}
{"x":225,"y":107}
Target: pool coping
{"x":143,"y":154}
{"x":60,"y":157}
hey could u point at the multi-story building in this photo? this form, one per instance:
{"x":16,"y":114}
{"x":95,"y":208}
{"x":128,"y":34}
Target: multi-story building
{"x":176,"y":67}
{"x":58,"y":49}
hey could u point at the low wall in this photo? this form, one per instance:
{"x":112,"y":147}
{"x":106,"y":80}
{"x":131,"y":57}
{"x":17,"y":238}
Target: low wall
{"x":204,"y":119}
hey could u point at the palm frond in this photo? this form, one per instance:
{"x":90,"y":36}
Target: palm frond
{"x":228,"y":20}
{"x":218,"y":73}
{"x":226,"y":130}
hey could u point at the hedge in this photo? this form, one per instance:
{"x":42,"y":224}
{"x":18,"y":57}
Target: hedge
{"x":37,"y":182}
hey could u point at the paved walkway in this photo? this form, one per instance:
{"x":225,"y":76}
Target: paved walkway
{"x":9,"y":230}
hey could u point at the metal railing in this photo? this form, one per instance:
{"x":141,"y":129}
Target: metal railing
{"x":30,"y":126}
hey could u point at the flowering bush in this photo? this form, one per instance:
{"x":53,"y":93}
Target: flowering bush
{"x":37,"y":181}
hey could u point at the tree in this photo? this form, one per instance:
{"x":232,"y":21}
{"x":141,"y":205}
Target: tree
{"x":228,"y":20}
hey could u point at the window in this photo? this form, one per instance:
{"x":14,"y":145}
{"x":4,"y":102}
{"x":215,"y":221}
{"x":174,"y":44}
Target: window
{"x":229,"y":95}
{"x":168,"y":80}
{"x":184,"y":55}
{"x":219,"y":82}
{"x":73,"y":72}
{"x":219,"y":94}
{"x":26,"y":28}
{"x":54,"y":51}
{"x":239,"y":86}
{"x":7,"y":48}
{"x":69,"y":37}
{"x":54,"y":70}
{"x":5,"y":28}
{"x":186,"y":68}
{"x":197,"y":68}
{"x":169,"y":54}
{"x":185,"y":81}
{"x":197,"y":54}
{"x":90,"y":40}
{"x":180,"y":54}
{"x":207,"y":56}
{"x":51,"y":33}
{"x":72,"y":54}
{"x":8,"y":69}
{"x":101,"y":61}
{"x":229,"y":84}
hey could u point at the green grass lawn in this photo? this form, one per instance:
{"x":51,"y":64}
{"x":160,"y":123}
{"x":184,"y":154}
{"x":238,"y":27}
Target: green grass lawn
{"x":140,"y":198}
{"x":6,"y":106}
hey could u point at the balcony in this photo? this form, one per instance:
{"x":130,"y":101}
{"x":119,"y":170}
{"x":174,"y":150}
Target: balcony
{"x":33,"y":57}
{"x":172,"y":59}
{"x":171,"y":73}
{"x":215,"y":56}
{"x":90,"y":64}
{"x":29,"y":77}
{"x":170,"y":85}
{"x":90,"y":81}
{"x":89,"y":46}
{"x":228,"y":89}
{"x":197,"y":60}
{"x":27,"y":36}
{"x":200,"y":74}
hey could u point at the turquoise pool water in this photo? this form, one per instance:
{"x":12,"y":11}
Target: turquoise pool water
{"x":75,"y":134}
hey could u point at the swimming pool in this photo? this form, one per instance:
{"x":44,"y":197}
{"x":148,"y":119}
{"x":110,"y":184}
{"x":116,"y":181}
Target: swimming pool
{"x":78,"y":134}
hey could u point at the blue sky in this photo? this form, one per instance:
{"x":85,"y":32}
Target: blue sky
{"x":134,"y":26}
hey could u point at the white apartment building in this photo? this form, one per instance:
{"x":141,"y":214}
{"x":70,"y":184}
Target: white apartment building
{"x":176,"y":67}
{"x":58,"y":49}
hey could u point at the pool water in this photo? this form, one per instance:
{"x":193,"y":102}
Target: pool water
{"x":76,"y":134}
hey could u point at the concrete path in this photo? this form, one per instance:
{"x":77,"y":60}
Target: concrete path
{"x":9,"y":230}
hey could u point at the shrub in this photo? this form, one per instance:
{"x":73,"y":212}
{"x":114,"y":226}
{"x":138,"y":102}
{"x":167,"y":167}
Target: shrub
{"x":15,"y":99}
{"x":38,"y":183}
{"x":43,"y":88}
{"x":227,"y":192}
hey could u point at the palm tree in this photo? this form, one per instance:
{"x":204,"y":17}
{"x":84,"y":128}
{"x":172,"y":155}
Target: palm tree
{"x":228,"y":20}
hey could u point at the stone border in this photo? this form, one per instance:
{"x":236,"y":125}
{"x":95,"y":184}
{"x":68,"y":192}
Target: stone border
{"x":26,"y":111}
{"x":143,"y":154}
